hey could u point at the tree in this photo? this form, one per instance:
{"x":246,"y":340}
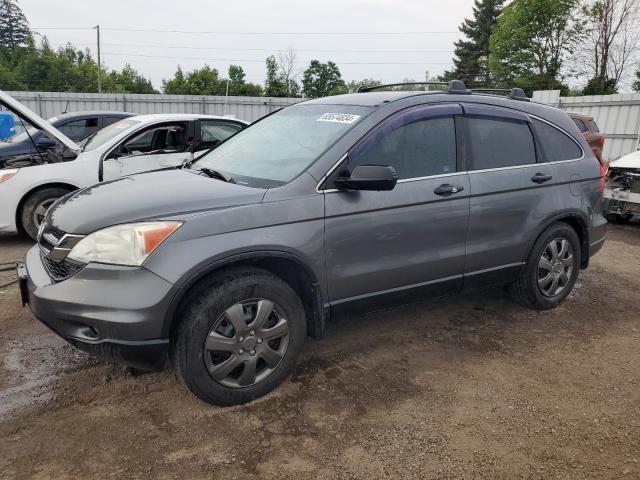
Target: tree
{"x":274,"y":85}
{"x":237,"y":84}
{"x":14,"y":28}
{"x":636,"y":85}
{"x":127,"y":81}
{"x":322,"y":79}
{"x":204,"y":81}
{"x":611,"y":42}
{"x":177,"y":85}
{"x":470,"y":62}
{"x":354,"y":85}
{"x":288,"y":71}
{"x":530,"y":42}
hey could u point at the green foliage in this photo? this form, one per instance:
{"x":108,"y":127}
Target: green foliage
{"x":530,"y":41}
{"x":600,"y":86}
{"x":636,"y":84}
{"x":127,"y":81}
{"x":275,"y":85}
{"x":14,"y":28}
{"x":354,"y":85}
{"x":322,"y":79}
{"x":206,"y":81}
{"x":470,"y":61}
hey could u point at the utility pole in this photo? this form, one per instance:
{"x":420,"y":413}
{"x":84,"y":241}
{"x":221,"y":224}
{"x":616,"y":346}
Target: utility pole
{"x":97,"y":29}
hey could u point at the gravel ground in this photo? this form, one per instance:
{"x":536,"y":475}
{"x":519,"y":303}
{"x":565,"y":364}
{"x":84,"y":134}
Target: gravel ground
{"x":471,"y":386}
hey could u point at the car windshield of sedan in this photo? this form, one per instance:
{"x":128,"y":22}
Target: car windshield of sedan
{"x":107,"y":133}
{"x":278,"y":148}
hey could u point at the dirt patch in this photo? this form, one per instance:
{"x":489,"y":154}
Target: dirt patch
{"x":463,"y":387}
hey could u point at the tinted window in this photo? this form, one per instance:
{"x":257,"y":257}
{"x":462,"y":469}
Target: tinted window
{"x":109,"y":120}
{"x":594,"y":126}
{"x":79,"y":129}
{"x":556,"y":145}
{"x":497,"y":143}
{"x":212,"y":132}
{"x":580,"y":124}
{"x":414,"y":147}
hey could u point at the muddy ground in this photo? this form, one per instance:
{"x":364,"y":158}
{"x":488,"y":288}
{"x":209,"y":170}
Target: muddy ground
{"x":467,"y":387}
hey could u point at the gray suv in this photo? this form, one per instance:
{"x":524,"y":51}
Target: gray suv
{"x":226,"y":265}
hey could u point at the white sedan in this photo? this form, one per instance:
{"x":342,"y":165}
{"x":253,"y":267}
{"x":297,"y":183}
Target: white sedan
{"x":31,"y":184}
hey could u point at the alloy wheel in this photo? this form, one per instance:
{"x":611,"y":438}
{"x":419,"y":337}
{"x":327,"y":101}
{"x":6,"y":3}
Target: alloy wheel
{"x":246,"y":343}
{"x":555,"y":267}
{"x":41,"y":210}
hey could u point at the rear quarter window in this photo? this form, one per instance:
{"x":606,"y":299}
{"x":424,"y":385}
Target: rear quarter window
{"x":580,"y":124}
{"x":556,"y":144}
{"x":594,"y":126}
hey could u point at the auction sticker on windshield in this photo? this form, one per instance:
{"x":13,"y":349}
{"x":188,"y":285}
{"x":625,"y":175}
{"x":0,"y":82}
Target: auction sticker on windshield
{"x":339,"y":118}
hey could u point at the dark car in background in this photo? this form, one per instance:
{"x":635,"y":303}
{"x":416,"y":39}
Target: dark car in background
{"x":77,"y":126}
{"x":590,"y":131}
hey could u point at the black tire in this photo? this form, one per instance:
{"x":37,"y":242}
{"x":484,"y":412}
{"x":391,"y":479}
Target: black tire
{"x":35,"y":200}
{"x":619,"y":218}
{"x":526,"y":289}
{"x":204,"y":309}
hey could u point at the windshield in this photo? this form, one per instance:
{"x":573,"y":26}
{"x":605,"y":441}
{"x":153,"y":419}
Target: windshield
{"x":107,"y":133}
{"x":279,"y":147}
{"x":22,"y":136}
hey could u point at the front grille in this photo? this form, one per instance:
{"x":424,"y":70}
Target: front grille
{"x":61,"y":270}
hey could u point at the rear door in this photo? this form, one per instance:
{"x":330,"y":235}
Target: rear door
{"x":410,"y":240}
{"x":512,"y":192}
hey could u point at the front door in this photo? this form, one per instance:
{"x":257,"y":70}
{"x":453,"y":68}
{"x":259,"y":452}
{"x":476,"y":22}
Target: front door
{"x":163,"y":146}
{"x":409,"y":241}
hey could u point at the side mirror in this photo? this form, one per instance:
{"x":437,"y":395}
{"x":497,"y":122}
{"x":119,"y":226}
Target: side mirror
{"x":45,"y":143}
{"x":369,"y":177}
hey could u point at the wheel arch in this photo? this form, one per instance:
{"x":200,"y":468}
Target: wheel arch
{"x":576,"y":220}
{"x":31,"y":191}
{"x":290,"y":268}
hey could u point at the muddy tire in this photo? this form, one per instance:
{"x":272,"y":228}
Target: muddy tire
{"x":551,"y":269}
{"x":239,"y":336}
{"x":36,"y":205}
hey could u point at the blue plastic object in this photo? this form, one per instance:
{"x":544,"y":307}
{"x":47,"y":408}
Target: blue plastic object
{"x":7,"y":125}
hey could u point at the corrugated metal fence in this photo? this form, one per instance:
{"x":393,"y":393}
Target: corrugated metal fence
{"x":618,"y":117}
{"x":48,"y":104}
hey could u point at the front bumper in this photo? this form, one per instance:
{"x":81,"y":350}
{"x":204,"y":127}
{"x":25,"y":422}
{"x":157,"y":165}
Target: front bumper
{"x":114,"y":312}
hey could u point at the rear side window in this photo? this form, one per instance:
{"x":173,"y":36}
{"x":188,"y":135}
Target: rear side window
{"x":79,"y":129}
{"x":580,"y":124}
{"x":109,"y":120}
{"x":213,"y":132}
{"x":414,"y":147}
{"x":594,"y":126}
{"x":499,"y":143}
{"x":557,"y":145}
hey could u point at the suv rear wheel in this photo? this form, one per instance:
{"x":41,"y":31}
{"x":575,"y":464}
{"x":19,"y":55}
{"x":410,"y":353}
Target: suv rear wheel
{"x":239,"y":337}
{"x":551,"y":269}
{"x":35,"y":207}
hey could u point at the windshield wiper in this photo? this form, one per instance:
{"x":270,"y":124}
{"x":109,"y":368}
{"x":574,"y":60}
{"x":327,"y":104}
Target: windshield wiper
{"x":216,"y":174}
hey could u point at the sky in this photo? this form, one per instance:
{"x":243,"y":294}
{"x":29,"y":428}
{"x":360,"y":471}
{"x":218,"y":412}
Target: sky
{"x":388,"y":40}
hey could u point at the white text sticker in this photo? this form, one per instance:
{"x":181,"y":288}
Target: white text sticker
{"x":339,"y":118}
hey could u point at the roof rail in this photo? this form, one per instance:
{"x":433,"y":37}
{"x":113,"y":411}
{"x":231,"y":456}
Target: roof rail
{"x":512,"y":93}
{"x":378,"y":87}
{"x":454,"y":86}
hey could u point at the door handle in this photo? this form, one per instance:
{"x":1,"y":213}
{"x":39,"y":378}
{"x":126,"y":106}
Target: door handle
{"x":447,"y":189}
{"x":541,"y":178}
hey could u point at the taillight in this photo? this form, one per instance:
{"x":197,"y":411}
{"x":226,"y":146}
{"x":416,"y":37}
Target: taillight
{"x":601,"y":140}
{"x":603,"y":174}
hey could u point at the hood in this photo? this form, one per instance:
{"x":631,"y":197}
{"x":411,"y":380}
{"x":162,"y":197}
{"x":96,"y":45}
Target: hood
{"x":628,"y":161}
{"x":34,"y":120}
{"x":160,"y":194}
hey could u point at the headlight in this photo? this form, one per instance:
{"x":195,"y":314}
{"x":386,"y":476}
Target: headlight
{"x":128,"y":244}
{"x":7,"y":174}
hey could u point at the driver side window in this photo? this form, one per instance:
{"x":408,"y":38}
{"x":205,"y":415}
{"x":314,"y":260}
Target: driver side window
{"x":159,"y":140}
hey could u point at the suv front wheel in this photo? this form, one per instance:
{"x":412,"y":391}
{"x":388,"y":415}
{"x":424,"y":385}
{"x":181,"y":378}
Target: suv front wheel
{"x":551,"y":269}
{"x":239,"y":337}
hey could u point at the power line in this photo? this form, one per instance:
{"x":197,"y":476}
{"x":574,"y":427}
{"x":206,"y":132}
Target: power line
{"x":186,"y":47}
{"x":203,"y":32}
{"x":246,"y":60}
